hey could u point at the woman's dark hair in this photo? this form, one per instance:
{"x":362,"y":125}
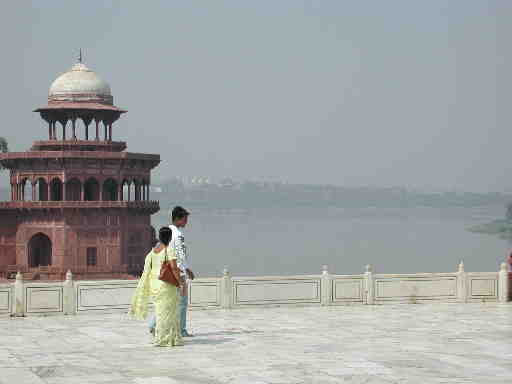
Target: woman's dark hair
{"x":165,"y":235}
{"x":179,"y":213}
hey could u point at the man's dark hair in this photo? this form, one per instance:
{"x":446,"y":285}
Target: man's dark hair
{"x":179,"y":213}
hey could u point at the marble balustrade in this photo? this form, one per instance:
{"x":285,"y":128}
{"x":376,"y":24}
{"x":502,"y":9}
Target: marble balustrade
{"x":70,"y":297}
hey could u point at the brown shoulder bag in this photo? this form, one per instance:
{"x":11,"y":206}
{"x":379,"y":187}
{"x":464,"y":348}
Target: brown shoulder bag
{"x":166,"y":273}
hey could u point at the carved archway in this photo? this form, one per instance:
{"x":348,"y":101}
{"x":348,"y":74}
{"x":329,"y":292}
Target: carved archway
{"x":56,"y":190}
{"x":91,"y":190}
{"x":39,"y":250}
{"x":110,"y":190}
{"x":73,"y":190}
{"x":41,"y":190}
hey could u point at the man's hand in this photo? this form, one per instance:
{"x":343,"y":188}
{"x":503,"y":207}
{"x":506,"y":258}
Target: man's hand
{"x":190,"y":274}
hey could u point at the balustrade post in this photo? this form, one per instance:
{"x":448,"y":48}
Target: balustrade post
{"x":226,"y":286}
{"x":503,"y":284}
{"x":19,"y":296}
{"x":369,"y":285}
{"x":69,"y":295}
{"x":325,"y":287}
{"x":462,"y":289}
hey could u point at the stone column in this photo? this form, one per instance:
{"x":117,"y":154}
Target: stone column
{"x":369,"y":285}
{"x":97,"y":130}
{"x":87,"y":132}
{"x":19,"y":296}
{"x":50,"y":135}
{"x":503,"y":283}
{"x":462,"y":290}
{"x":73,"y":124}
{"x":110,"y":132}
{"x":69,"y":295}
{"x":64,"y":131}
{"x":325,"y":287}
{"x":34,"y":191}
{"x":226,"y":287}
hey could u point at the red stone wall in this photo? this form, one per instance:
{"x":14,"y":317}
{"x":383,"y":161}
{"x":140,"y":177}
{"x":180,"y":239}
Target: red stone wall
{"x":121,"y":238}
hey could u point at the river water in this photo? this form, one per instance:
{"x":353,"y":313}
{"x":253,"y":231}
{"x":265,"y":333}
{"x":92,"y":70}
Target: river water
{"x":301,"y":241}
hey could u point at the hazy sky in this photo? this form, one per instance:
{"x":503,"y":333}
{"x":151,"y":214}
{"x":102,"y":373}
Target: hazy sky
{"x":409,"y":93}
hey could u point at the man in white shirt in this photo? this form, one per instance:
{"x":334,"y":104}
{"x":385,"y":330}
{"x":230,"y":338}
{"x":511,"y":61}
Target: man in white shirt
{"x":179,"y":219}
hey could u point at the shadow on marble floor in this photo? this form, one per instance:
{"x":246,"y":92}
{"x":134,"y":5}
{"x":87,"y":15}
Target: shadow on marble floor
{"x":197,"y":341}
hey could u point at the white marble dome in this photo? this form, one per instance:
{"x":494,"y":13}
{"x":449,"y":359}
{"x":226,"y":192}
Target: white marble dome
{"x":79,"y":84}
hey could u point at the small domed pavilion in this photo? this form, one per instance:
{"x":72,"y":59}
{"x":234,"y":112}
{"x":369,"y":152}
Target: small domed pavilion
{"x":79,"y":201}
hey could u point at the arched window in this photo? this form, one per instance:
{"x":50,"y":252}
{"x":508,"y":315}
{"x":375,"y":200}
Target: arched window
{"x":28,"y":189}
{"x":56,"y":190}
{"x":39,"y":250}
{"x":73,"y":190}
{"x":110,"y":190}
{"x":125,"y":189}
{"x":91,"y":190}
{"x":41,"y":190}
{"x":22,"y":188}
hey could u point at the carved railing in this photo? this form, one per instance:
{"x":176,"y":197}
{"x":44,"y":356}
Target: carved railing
{"x":151,"y":205}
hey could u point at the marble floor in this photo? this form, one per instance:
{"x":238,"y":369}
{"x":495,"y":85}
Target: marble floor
{"x":424,"y":343}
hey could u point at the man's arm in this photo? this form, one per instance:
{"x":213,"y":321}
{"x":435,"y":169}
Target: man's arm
{"x":181,"y":252}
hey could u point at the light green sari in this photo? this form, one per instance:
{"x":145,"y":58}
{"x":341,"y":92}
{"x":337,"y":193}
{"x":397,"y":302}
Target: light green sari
{"x":165,"y":296}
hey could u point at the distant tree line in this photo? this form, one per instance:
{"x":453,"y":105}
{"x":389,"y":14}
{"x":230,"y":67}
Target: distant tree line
{"x":263,"y":195}
{"x":3,"y":147}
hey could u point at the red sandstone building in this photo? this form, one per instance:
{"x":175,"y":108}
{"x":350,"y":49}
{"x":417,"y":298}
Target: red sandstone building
{"x":80,"y":202}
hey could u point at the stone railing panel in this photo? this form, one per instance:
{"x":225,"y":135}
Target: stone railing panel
{"x":276,"y":290}
{"x":205,"y":293}
{"x":348,"y":289}
{"x":482,"y":286}
{"x":44,"y":298}
{"x":415,"y":287}
{"x":104,"y":295}
{"x":6,"y":298}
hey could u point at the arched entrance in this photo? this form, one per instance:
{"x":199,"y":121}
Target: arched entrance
{"x":39,"y":250}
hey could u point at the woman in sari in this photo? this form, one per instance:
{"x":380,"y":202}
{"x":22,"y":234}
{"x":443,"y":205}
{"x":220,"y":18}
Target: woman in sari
{"x":164,"y":295}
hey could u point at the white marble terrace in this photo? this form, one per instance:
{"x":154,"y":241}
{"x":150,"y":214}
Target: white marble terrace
{"x":396,"y":343}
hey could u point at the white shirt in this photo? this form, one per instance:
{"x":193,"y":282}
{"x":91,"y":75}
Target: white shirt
{"x":178,"y":245}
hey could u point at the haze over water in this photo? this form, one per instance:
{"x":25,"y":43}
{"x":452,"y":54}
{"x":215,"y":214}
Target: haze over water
{"x":298,"y":241}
